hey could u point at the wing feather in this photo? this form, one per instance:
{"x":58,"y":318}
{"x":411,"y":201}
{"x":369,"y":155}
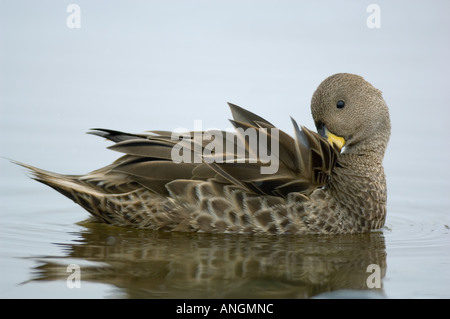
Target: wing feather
{"x":305,"y":160}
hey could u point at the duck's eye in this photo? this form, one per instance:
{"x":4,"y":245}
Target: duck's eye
{"x":340,"y":104}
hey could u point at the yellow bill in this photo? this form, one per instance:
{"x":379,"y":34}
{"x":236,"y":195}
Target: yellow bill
{"x":333,"y":139}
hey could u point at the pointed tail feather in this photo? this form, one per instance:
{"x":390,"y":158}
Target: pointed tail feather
{"x":69,"y":185}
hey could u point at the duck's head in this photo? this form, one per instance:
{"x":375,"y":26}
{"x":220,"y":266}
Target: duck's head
{"x":348,"y":111}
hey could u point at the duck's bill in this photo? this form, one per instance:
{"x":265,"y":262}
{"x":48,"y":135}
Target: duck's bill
{"x":338,"y":141}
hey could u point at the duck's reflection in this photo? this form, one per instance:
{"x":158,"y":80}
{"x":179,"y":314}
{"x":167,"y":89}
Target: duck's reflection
{"x":151,"y":264}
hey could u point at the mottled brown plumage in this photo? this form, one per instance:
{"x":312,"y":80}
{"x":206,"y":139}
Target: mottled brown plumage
{"x":316,"y":189}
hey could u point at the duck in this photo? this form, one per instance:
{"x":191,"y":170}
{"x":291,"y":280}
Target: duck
{"x":327,"y":182}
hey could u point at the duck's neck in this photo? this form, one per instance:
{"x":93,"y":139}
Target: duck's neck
{"x":358,"y":184}
{"x":371,"y":149}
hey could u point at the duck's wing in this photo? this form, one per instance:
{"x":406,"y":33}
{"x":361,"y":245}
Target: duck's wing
{"x":304,"y":162}
{"x":299,"y":164}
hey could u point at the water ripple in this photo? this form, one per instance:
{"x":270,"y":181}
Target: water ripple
{"x":417,"y":229}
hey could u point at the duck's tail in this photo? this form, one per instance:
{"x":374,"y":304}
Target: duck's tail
{"x":71,"y":187}
{"x":65,"y":184}
{"x":122,"y":206}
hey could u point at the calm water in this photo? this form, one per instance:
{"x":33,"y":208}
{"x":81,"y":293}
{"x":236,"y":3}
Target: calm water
{"x":156,"y":66}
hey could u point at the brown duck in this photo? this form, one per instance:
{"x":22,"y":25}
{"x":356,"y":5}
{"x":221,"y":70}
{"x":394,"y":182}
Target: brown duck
{"x":332,"y":182}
